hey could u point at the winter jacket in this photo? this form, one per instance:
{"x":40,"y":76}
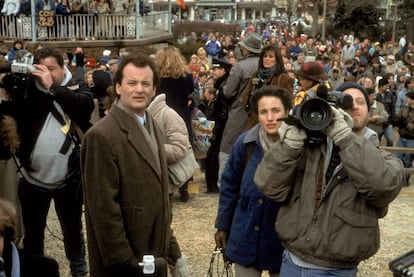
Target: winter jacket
{"x":343,"y":230}
{"x":177,"y":92}
{"x":11,"y":7}
{"x":245,"y":213}
{"x":239,"y":78}
{"x":173,"y":126}
{"x":125,"y":179}
{"x":336,"y":82}
{"x":388,"y":100}
{"x":405,"y":122}
{"x":40,"y":5}
{"x":31,"y":109}
{"x":304,"y":95}
{"x":377,"y":109}
{"x":213,"y":47}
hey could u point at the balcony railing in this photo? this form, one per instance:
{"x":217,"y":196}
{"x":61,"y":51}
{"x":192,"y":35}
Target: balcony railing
{"x":84,"y":26}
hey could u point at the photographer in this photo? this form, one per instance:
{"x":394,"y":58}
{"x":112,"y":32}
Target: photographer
{"x":46,"y":111}
{"x":333,"y":193}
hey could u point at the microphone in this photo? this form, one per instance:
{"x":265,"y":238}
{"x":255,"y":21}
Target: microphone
{"x":322,"y":91}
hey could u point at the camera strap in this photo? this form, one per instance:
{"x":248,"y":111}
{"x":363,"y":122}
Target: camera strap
{"x":70,"y":135}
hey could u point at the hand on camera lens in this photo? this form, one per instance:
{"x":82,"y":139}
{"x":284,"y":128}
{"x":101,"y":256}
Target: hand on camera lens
{"x":291,"y":135}
{"x":340,"y":127}
{"x":221,"y":238}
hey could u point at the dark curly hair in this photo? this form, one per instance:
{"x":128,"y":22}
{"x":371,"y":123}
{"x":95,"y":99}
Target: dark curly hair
{"x":284,"y":95}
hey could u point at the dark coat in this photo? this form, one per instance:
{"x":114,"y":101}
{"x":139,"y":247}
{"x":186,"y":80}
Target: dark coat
{"x":31,"y":108}
{"x":126,"y":195}
{"x":244,"y":212}
{"x":177,"y":92}
{"x":388,"y":100}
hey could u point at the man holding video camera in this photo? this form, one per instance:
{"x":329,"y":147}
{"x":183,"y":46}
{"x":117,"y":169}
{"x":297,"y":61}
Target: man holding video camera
{"x":50,"y":113}
{"x":333,"y":193}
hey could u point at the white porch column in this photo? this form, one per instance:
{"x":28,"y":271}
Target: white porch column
{"x":191,"y":14}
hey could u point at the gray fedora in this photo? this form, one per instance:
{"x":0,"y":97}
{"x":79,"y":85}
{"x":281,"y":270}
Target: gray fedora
{"x":252,"y":42}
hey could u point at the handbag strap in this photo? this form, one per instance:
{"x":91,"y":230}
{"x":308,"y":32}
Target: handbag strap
{"x":219,"y":264}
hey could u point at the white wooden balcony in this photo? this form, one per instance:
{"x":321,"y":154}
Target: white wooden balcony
{"x":84,"y":27}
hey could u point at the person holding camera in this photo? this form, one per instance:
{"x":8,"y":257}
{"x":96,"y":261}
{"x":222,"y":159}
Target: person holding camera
{"x":50,"y":116}
{"x":332,"y":193}
{"x":271,"y":71}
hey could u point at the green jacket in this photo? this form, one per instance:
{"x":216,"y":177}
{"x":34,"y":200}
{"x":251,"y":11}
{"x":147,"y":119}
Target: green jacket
{"x":343,"y":229}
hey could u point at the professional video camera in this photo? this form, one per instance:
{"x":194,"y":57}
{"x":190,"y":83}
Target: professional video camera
{"x":17,"y":82}
{"x":315,"y":114}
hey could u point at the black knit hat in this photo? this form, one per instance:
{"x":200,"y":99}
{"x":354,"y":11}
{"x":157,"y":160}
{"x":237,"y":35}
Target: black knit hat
{"x":348,"y":85}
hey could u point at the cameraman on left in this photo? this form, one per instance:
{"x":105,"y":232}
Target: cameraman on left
{"x":50,"y":113}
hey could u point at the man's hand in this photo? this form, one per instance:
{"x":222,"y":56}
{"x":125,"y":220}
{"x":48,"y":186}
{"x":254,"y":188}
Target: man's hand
{"x":43,"y":75}
{"x":374,"y":118}
{"x":221,"y":239}
{"x":340,"y":127}
{"x":291,"y":135}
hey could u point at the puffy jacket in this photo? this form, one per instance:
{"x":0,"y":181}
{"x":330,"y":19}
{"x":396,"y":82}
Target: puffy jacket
{"x":213,"y":47}
{"x":343,"y":230}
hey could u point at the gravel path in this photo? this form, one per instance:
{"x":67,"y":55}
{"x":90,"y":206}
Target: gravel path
{"x":193,"y":224}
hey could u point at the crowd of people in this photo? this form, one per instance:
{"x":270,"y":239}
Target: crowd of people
{"x":103,"y":132}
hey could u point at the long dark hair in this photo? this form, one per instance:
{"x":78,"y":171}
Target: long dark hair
{"x":280,"y":67}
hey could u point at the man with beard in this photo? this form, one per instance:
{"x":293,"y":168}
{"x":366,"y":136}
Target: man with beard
{"x":332,"y":193}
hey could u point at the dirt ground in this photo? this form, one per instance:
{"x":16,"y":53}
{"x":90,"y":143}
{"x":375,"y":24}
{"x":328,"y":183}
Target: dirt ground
{"x":193,"y":224}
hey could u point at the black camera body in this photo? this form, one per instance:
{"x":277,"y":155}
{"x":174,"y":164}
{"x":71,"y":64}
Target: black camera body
{"x":315,"y":113}
{"x":20,"y":69}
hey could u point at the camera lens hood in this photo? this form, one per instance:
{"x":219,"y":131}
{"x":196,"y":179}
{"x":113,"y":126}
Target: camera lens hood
{"x":315,"y":114}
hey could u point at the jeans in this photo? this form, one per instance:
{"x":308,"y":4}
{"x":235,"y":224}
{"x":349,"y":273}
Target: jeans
{"x":290,"y":269}
{"x":242,"y":271}
{"x":35,"y":202}
{"x":406,"y":158}
{"x":389,"y":134}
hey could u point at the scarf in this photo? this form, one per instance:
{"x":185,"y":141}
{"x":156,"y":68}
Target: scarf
{"x":265,"y":140}
{"x":265,"y":73}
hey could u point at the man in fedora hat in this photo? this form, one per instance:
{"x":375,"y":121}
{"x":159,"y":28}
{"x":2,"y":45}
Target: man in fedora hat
{"x":236,"y":83}
{"x":311,"y":75}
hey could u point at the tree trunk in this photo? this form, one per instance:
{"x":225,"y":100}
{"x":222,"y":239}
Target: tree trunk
{"x":410,"y":29}
{"x":315,"y":17}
